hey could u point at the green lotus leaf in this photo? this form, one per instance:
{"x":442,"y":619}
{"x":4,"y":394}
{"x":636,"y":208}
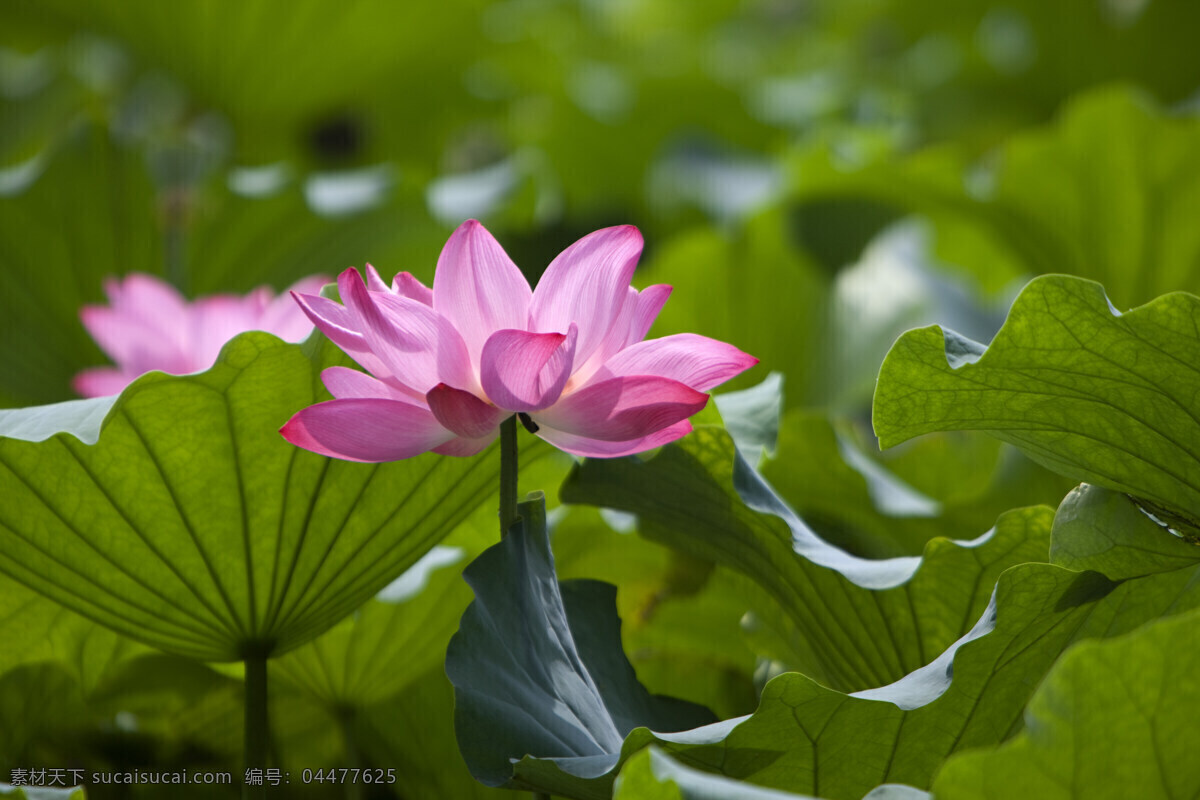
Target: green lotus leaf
{"x":413,"y":732}
{"x":1100,"y":396}
{"x":11,"y":792}
{"x":538,"y":668}
{"x":192,"y":526}
{"x":82,"y":418}
{"x":399,"y":635}
{"x":393,"y":639}
{"x":654,"y":775}
{"x":852,"y":623}
{"x":752,"y":416}
{"x":972,"y":695}
{"x":1124,"y":710}
{"x":37,"y":629}
{"x":64,"y":679}
{"x":680,"y":617}
{"x":1105,"y":531}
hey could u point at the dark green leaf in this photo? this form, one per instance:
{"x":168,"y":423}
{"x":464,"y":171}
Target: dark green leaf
{"x":680,"y":618}
{"x":539,"y":669}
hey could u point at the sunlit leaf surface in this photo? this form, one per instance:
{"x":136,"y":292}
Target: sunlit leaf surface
{"x":193,"y":526}
{"x":1102,"y":396}
{"x":1122,"y":709}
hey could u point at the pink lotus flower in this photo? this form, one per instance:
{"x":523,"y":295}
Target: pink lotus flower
{"x":451,"y":364}
{"x":149,"y":326}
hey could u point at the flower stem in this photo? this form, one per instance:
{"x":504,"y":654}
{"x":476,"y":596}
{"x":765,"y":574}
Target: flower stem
{"x":508,"y":493}
{"x":345,"y":716}
{"x":508,"y":474}
{"x":255,"y":746}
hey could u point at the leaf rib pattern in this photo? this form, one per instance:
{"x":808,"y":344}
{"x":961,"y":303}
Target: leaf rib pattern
{"x":231,"y":622}
{"x":192,"y":526}
{"x":59,"y":566}
{"x":213,"y":623}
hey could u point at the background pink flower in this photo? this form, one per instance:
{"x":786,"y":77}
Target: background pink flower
{"x":148,"y":326}
{"x":450,"y":364}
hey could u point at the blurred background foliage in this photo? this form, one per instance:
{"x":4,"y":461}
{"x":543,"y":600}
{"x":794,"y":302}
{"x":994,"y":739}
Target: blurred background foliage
{"x":761,"y":145}
{"x":813,"y":177}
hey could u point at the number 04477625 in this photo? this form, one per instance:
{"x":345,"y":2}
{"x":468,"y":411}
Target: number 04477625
{"x":348,"y":775}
